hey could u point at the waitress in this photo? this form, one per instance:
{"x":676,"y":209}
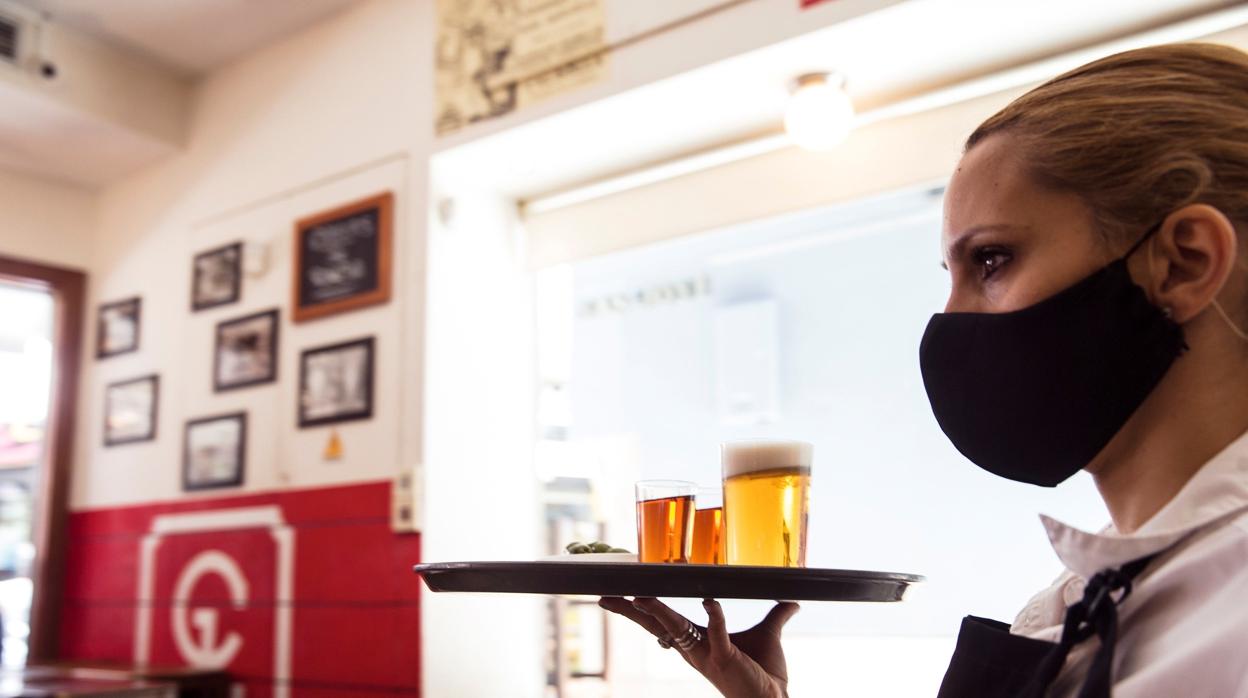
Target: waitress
{"x":1097,"y":321}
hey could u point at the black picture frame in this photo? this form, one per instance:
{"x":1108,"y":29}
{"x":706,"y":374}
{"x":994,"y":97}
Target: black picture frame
{"x":237,"y":453}
{"x":229,"y":347}
{"x":320,"y":377}
{"x":107,"y":317}
{"x":226,"y":260}
{"x":112,"y":415}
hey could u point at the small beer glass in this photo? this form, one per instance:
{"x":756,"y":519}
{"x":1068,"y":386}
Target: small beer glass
{"x":708,"y":527}
{"x":664,"y":520}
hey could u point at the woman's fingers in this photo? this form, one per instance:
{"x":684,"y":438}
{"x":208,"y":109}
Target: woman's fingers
{"x":716,"y":628}
{"x":734,"y":672}
{"x":625,"y":608}
{"x":676,"y":625}
{"x":779,"y":615}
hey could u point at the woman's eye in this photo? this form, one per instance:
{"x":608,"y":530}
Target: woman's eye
{"x":989,"y":260}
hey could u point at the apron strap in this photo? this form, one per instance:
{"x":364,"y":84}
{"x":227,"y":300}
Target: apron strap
{"x":1095,"y":614}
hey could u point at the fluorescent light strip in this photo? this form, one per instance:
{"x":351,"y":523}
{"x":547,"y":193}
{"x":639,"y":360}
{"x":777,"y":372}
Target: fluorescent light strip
{"x":668,"y":169}
{"x":1038,"y":71}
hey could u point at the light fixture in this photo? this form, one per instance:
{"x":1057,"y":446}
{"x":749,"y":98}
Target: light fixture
{"x":820,"y":113}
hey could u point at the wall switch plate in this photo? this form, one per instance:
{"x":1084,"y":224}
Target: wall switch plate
{"x":255,"y":258}
{"x":403,"y":501}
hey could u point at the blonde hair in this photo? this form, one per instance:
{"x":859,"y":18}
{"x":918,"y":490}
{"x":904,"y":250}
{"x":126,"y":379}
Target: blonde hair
{"x":1139,"y":134}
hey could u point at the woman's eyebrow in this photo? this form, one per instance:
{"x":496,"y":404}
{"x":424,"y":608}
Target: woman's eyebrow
{"x":958,"y":246}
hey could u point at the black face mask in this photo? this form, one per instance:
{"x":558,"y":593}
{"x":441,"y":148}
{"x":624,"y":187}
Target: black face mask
{"x":1033,"y":395}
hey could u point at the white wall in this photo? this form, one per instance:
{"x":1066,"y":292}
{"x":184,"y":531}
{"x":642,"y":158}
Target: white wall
{"x":315,"y":121}
{"x":45,"y":221}
{"x":481,"y":498}
{"x":179,"y":344}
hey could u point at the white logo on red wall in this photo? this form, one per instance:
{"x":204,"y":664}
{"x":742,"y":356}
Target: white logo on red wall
{"x":215,"y":590}
{"x":207,"y":651}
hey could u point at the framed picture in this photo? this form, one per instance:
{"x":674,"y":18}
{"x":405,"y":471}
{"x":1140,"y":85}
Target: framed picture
{"x":246,"y":351}
{"x":130,"y":410}
{"x":216,"y":277}
{"x":342,"y":258}
{"x":117,"y":327}
{"x":214,"y":452}
{"x":336,"y":383}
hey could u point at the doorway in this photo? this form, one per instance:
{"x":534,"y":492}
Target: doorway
{"x":41,"y":317}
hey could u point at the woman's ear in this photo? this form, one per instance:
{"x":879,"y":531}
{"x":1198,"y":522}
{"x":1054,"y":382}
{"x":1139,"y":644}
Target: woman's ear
{"x":1188,"y":261}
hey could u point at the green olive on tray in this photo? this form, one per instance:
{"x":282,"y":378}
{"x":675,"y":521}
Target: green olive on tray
{"x":576,"y":547}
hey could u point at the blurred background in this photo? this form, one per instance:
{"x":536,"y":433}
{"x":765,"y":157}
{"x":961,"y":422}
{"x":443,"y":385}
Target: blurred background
{"x":295,"y":294}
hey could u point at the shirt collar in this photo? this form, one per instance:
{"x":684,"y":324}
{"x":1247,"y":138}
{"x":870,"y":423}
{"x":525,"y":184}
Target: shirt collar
{"x":1217,"y":490}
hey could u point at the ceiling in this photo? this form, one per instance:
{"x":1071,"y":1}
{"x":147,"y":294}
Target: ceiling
{"x":902,"y":50}
{"x":890,"y":55}
{"x":190,"y":37}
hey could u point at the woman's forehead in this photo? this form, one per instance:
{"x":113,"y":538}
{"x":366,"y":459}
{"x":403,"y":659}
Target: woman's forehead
{"x":988,"y":177}
{"x":992,"y":185}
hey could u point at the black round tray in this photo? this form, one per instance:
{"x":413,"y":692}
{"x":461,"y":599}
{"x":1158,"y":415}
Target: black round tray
{"x":654,"y":580}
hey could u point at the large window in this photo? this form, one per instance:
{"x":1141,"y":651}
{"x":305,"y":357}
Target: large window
{"x":805,"y":327}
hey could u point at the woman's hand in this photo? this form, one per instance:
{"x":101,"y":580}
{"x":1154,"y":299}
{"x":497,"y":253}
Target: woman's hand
{"x":748,"y":664}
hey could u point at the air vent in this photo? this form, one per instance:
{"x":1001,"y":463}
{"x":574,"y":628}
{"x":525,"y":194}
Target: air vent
{"x":9,"y":32}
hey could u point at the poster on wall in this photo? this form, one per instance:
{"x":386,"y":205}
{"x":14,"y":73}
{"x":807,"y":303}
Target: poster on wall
{"x":130,"y":410}
{"x":342,"y":258}
{"x":214,"y":452}
{"x":246,"y":351}
{"x":493,"y":57}
{"x":336,"y":383}
{"x":216,"y":277}
{"x":117,"y":327}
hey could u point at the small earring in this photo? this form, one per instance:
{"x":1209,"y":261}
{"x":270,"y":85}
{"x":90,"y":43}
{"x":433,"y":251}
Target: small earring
{"x":1168,"y":312}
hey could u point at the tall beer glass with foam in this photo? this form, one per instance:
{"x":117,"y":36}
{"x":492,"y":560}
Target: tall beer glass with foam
{"x":766,"y":501}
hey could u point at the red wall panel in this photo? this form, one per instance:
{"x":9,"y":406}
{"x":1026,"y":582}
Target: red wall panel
{"x":297,"y":593}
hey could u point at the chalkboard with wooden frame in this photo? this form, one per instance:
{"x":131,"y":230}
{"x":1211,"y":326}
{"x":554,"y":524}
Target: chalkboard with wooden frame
{"x":343,"y":258}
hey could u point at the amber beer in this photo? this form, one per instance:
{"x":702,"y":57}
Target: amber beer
{"x":766,"y":502}
{"x":664,"y":520}
{"x":708,"y":536}
{"x":708,"y":527}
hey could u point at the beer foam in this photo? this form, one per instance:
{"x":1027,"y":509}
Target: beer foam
{"x":741,"y":457}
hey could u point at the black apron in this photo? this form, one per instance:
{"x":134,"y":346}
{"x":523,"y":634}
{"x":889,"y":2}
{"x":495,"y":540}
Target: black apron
{"x":990,"y":662}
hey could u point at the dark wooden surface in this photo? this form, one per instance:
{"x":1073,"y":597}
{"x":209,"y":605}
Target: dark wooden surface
{"x":183,"y":682}
{"x":68,"y":682}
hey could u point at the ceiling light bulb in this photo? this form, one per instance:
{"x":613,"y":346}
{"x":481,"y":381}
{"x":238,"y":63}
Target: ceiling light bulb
{"x":820,"y":114}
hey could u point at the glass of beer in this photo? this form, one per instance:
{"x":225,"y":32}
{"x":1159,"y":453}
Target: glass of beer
{"x":664,"y":520}
{"x":766,"y":500}
{"x":708,"y":527}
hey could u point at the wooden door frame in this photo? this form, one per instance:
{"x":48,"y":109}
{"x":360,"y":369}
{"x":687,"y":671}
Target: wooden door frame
{"x":68,"y":289}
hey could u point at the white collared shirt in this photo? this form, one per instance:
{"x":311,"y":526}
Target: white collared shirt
{"x":1183,"y":631}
